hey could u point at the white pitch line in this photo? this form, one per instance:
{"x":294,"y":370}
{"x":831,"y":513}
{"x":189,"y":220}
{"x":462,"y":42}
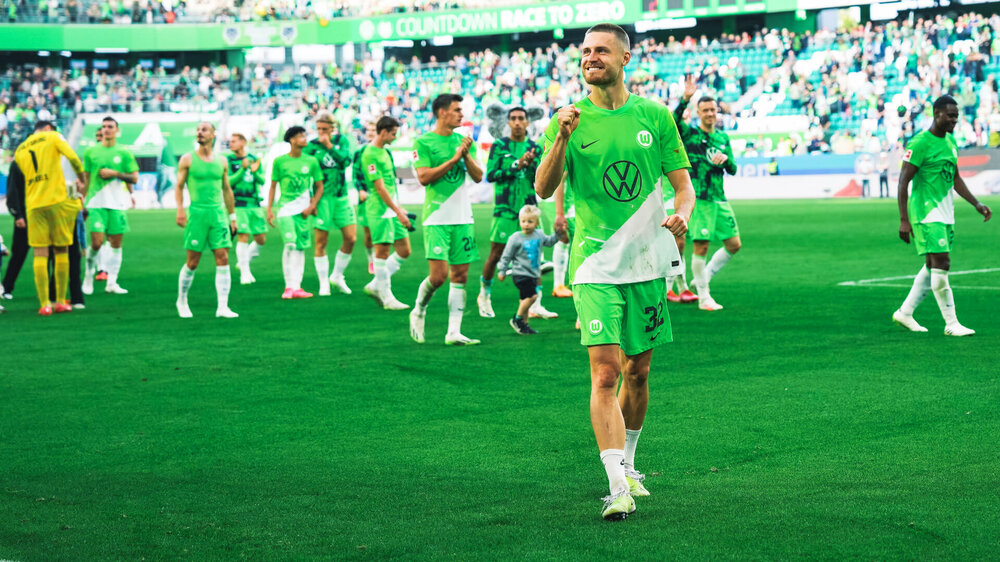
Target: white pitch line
{"x":871,"y":282}
{"x":962,"y":287}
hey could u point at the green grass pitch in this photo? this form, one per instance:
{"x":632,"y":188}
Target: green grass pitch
{"x":799,"y":422}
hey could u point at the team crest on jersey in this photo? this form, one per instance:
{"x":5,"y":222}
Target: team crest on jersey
{"x":305,"y":169}
{"x":117,"y":159}
{"x":622,"y":181}
{"x":595,"y":327}
{"x":644,"y":138}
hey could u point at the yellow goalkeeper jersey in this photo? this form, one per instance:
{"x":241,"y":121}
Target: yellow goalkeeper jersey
{"x":40,"y":160}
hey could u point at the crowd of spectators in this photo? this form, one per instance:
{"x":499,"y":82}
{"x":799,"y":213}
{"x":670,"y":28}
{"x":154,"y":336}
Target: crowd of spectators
{"x":864,"y":88}
{"x":220,"y":11}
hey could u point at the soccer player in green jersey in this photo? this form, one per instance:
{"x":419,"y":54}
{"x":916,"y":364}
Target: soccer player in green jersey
{"x":711,"y":158}
{"x":206,"y":175}
{"x":105,"y":252}
{"x":443,"y":159}
{"x":386,"y":219}
{"x":296,"y":173}
{"x":616,"y":146}
{"x":246,"y":176}
{"x":358,"y":172}
{"x":334,"y":210}
{"x":927,"y":214}
{"x":511,"y":169}
{"x":111,"y":171}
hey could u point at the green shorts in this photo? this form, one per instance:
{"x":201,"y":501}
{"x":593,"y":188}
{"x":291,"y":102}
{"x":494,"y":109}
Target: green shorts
{"x":713,"y":220}
{"x":933,"y":237}
{"x":387,"y":230}
{"x":502,"y":229}
{"x":297,"y":230}
{"x":107,"y":221}
{"x":455,"y":243}
{"x":334,"y":213}
{"x":633,"y":316}
{"x":207,"y":229}
{"x":250,"y":220}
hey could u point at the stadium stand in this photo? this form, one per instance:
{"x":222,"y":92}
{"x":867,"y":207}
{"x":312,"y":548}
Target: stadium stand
{"x":861,"y":89}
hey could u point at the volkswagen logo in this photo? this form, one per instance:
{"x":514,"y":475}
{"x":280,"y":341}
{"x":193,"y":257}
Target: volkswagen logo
{"x":622,"y":181}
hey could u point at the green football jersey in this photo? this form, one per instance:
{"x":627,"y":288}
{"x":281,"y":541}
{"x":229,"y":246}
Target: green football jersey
{"x":358,"y":171}
{"x":512,"y":188}
{"x":701,"y":146}
{"x":111,"y":193}
{"x":245,"y":182}
{"x":445,"y":202}
{"x":204,"y":181}
{"x":615,"y":159}
{"x":377,"y":165}
{"x":936,"y":159}
{"x":333,"y":161}
{"x":295,"y":177}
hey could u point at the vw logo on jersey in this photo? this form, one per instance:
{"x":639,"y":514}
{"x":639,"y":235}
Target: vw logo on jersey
{"x":305,"y":169}
{"x":595,"y":327}
{"x":117,"y":159}
{"x":327,"y":161}
{"x":455,"y":174}
{"x":644,"y":138}
{"x":622,"y":181}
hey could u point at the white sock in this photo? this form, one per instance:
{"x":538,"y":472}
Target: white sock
{"x":92,"y":256}
{"x":538,"y":300}
{"x":184,"y":283}
{"x":103,"y":255}
{"x":614,"y":465}
{"x":485,"y":286}
{"x":114,"y":265}
{"x":424,"y":294}
{"x":340,"y":263}
{"x":682,"y":284}
{"x":719,"y":260}
{"x":381,"y":278}
{"x":560,"y":259}
{"x":456,"y":305}
{"x":323,"y":271}
{"x":223,"y":281}
{"x":631,"y":440}
{"x":254,"y":249}
{"x":698,"y":272}
{"x":286,"y":265}
{"x":921,"y":286}
{"x":393,"y":264}
{"x":298,"y":268}
{"x":242,"y":255}
{"x":942,"y":293}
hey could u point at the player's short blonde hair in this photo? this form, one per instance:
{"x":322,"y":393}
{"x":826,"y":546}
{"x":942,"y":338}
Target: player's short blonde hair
{"x":529,"y":211}
{"x":324,"y":117}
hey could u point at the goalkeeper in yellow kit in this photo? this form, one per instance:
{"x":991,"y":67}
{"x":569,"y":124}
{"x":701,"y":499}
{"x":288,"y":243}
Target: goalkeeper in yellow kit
{"x":51,"y":211}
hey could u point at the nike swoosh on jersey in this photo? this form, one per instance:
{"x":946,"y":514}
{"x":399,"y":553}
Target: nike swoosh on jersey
{"x":583,"y":146}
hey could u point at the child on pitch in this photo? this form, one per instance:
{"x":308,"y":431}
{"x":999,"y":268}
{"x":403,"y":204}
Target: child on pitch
{"x":523,"y":257}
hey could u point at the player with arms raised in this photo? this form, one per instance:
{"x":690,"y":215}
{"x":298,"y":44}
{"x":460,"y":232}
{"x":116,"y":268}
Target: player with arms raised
{"x":50,"y":211}
{"x":711,"y":159}
{"x":206,"y":175}
{"x":616,"y":146}
{"x":927,"y":215}
{"x":444,"y":157}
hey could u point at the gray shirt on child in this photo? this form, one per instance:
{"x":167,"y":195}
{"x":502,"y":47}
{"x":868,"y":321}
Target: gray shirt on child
{"x":523,"y":253}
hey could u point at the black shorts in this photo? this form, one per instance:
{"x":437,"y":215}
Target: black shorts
{"x":526,"y":286}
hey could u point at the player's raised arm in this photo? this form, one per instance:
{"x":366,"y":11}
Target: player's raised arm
{"x":906,"y":174}
{"x":182,"y":173}
{"x":550,"y":171}
{"x":690,"y":89}
{"x":963,"y":190}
